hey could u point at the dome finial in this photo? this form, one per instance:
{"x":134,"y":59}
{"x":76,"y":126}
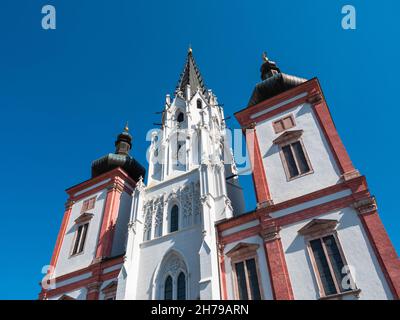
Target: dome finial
{"x":126,"y":129}
{"x":264,"y":56}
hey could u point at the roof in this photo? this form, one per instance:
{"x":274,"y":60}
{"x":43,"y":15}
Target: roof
{"x":111,"y":161}
{"x":272,"y":86}
{"x":190,"y":76}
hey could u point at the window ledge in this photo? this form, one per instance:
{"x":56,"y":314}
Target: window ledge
{"x":339,"y":296}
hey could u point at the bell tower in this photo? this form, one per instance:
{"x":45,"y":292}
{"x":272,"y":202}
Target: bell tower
{"x":187,"y":191}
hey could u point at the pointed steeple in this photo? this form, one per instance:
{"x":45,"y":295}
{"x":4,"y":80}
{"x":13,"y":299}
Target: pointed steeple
{"x":190,"y":76}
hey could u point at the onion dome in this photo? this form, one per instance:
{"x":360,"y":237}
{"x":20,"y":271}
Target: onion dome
{"x":273,"y":82}
{"x":120,"y":158}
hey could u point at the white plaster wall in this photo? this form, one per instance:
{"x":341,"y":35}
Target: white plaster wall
{"x":121,"y":227}
{"x":238,"y":228}
{"x":67,"y":263}
{"x":187,"y":243}
{"x":357,"y":250}
{"x":325,"y":169}
{"x":262,"y":264}
{"x":235,"y":194}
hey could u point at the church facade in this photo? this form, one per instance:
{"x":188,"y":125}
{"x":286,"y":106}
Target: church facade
{"x":315,"y":233}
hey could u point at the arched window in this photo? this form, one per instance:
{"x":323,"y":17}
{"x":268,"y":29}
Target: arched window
{"x":174,"y":225}
{"x":168,"y":288}
{"x":199,"y":104}
{"x":180,"y":117}
{"x":181,"y":292}
{"x":172,"y":281}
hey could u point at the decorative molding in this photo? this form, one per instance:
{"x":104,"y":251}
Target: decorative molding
{"x":221,"y":248}
{"x":288,"y":136}
{"x":93,"y":287}
{"x":318,"y":226}
{"x":366,"y":205}
{"x":351,"y":175}
{"x":84,"y":217}
{"x":242,"y":250}
{"x":314,"y":97}
{"x":265,"y":204}
{"x":140,"y":186}
{"x":110,"y":288}
{"x":69,"y":203}
{"x":132,"y":226}
{"x":270,"y":232}
{"x":66,"y":297}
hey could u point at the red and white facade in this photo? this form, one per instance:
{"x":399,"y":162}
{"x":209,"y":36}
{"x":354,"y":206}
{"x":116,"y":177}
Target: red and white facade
{"x":85,"y":275}
{"x":331,"y":199}
{"x":315,"y":234}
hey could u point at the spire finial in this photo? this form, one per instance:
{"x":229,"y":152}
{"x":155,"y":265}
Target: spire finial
{"x":190,"y":50}
{"x":264,"y":56}
{"x":124,"y":141}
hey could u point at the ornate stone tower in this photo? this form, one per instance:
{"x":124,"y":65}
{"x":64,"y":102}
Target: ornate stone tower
{"x":172,"y":250}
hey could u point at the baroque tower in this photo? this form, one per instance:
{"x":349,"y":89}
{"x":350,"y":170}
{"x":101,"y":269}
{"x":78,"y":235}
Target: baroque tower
{"x":192,"y":184}
{"x":90,"y":246}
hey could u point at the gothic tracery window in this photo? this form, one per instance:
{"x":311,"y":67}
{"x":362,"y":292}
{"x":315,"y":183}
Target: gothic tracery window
{"x":168,"y":287}
{"x":147,"y":222}
{"x":172,"y":278}
{"x":180,"y":118}
{"x":174,"y":216}
{"x":181,"y":287}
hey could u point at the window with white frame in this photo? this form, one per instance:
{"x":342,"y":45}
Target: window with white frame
{"x":244,"y":261}
{"x":80,"y":238}
{"x":293,"y":154}
{"x":283,"y":124}
{"x":88,"y":204}
{"x":327,"y":258}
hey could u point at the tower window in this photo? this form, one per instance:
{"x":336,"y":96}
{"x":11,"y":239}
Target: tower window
{"x":180,"y":118}
{"x":244,"y":260}
{"x":247,"y":280}
{"x":181,"y":292}
{"x":295,"y":160}
{"x":199,"y":104}
{"x":174,"y":225}
{"x":80,"y":239}
{"x":328,"y":263}
{"x":168,"y":288}
{"x":283,"y":124}
{"x":88,"y":204}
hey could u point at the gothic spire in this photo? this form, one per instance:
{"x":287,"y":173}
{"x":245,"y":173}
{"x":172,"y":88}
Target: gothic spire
{"x":190,"y":76}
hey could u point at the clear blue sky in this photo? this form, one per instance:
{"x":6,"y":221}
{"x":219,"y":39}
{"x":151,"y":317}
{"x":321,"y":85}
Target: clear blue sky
{"x":66,"y":94}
